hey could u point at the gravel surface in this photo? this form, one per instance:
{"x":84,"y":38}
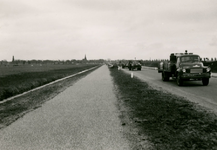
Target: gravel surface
{"x":83,"y":117}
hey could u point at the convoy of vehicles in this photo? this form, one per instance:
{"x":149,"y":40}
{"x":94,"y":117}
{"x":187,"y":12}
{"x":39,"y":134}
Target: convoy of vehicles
{"x":184,"y":67}
{"x":181,"y":67}
{"x":134,"y":65}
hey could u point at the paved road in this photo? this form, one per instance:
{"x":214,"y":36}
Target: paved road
{"x":83,"y":117}
{"x":192,"y":90}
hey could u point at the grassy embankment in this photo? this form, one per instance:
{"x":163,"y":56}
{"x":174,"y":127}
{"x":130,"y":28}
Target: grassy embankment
{"x":169,"y":122}
{"x":16,"y":108}
{"x":18,"y":79}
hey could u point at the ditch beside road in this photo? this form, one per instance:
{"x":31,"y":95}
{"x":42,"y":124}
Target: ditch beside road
{"x":84,"y":116}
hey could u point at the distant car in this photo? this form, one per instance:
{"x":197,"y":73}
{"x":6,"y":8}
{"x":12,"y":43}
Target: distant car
{"x":134,"y":65}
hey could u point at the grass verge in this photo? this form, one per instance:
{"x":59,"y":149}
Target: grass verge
{"x":16,"y":108}
{"x":166,"y":121}
{"x":14,"y":84}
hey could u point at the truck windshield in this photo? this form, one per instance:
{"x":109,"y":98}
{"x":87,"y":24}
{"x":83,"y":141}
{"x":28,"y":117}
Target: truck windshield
{"x":190,"y":59}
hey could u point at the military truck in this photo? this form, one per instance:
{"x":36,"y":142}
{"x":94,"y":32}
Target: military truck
{"x":134,"y":65}
{"x":185,"y":67}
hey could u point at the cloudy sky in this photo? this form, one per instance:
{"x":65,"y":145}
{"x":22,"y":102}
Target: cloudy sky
{"x":102,"y":29}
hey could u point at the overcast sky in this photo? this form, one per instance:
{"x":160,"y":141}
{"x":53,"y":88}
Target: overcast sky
{"x":102,"y":29}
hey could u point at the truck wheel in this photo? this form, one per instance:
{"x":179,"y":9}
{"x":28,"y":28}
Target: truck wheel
{"x":165,"y":77}
{"x":179,"y":81}
{"x":205,"y":81}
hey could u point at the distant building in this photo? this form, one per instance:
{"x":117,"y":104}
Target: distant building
{"x":85,"y":58}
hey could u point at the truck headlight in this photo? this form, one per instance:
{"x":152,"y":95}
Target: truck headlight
{"x":183,"y":70}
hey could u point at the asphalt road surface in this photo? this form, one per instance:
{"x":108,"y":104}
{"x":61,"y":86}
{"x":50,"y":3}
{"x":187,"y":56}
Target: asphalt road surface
{"x":192,"y":90}
{"x":83,"y":117}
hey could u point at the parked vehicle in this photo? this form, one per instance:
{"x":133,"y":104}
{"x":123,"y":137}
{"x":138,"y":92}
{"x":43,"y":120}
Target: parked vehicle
{"x":134,"y":65}
{"x":185,"y":67}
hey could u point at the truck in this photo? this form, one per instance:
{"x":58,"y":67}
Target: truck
{"x":185,"y":67}
{"x":134,"y":65}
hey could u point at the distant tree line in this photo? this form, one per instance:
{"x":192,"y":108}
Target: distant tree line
{"x":46,"y":62}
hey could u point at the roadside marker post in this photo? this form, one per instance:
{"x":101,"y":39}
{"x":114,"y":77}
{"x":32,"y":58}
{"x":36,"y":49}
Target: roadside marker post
{"x":131,"y":74}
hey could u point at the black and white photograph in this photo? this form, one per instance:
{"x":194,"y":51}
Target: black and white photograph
{"x":108,"y":75}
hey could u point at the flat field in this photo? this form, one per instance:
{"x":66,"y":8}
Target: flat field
{"x":18,"y":79}
{"x":11,"y":70}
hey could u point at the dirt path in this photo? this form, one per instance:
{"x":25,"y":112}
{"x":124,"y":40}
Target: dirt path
{"x":83,"y":117}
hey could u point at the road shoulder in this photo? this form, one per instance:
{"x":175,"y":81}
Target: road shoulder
{"x":84,"y":116}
